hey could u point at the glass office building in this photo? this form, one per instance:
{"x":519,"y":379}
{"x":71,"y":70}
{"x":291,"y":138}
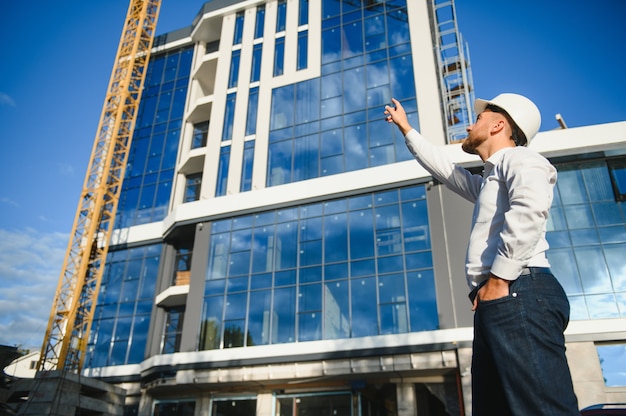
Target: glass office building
{"x":277,"y":250}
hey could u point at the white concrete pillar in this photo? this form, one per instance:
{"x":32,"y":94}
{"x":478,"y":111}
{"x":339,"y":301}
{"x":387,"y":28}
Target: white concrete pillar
{"x":264,"y":402}
{"x":464,"y":358}
{"x":405,"y":396}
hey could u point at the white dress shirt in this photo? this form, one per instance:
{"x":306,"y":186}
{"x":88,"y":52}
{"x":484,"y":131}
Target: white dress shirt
{"x":511,"y":203}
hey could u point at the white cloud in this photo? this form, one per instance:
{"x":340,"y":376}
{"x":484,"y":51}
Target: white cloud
{"x":9,"y":201}
{"x":30,"y":264}
{"x":65,"y":169}
{"x":6,"y":99}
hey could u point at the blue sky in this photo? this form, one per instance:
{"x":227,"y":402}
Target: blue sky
{"x":569,"y":57}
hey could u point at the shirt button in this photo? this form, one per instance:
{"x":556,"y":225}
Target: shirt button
{"x":514,"y":294}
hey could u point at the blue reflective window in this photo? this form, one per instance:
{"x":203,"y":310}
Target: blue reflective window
{"x":586,"y":233}
{"x":257,"y":53}
{"x":397,"y":27}
{"x":279,"y":56}
{"x":331,"y":45}
{"x":336,"y":297}
{"x":284,"y":307}
{"x":222,"y":171}
{"x":354,"y":95}
{"x":336,"y":237}
{"x":280,"y":162}
{"x":401,"y":71}
{"x":364,"y":317}
{"x":238,"y":28}
{"x":246,"y":169}
{"x":200,"y":135}
{"x":303,"y":49}
{"x":234,"y":68}
{"x":229,"y":117}
{"x":120,"y":326}
{"x":306,"y":102}
{"x":287,"y":257}
{"x":330,"y":8}
{"x":352,"y":39}
{"x":193,"y":185}
{"x":364,"y":143}
{"x":211,"y":324}
{"x":360,"y":71}
{"x":617,"y":168}
{"x":259,"y":24}
{"x":362,"y":234}
{"x":303,"y":12}
{"x":152,"y":156}
{"x":282,"y":108}
{"x":259,"y":318}
{"x":253,"y":104}
{"x":173,"y":330}
{"x":306,"y":157}
{"x":325,"y":270}
{"x":281,"y":17}
{"x":422,"y":300}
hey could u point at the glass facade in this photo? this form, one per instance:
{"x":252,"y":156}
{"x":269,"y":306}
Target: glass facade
{"x":587,"y":236}
{"x":351,"y":267}
{"x":122,"y":317}
{"x":333,"y":124}
{"x":147,"y":185}
{"x":315,"y":271}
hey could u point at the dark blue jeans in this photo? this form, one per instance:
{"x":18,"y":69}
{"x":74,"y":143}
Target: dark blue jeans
{"x":519,"y":365}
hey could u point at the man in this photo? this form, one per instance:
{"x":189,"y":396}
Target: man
{"x":518,"y":365}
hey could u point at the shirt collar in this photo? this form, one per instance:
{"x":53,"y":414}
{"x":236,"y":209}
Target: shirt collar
{"x":494,"y":159}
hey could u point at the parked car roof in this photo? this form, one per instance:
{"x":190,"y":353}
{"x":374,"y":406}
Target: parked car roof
{"x":605,"y":409}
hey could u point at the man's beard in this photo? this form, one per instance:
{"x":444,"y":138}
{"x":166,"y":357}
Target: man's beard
{"x":471,"y":143}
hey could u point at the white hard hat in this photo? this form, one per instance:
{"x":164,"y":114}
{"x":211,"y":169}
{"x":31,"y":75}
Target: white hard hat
{"x":519,"y":108}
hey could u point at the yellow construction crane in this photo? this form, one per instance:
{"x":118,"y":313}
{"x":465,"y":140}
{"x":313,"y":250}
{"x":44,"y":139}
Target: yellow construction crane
{"x":67,"y":334}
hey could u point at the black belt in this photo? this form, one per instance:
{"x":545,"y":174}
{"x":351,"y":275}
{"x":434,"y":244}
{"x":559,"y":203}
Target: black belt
{"x":535,"y":270}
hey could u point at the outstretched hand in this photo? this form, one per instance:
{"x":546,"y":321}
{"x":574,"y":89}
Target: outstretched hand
{"x":397,"y":115}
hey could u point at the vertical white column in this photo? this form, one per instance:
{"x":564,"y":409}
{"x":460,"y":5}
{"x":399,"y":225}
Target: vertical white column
{"x":264,"y":404}
{"x":464,"y":357}
{"x":405,"y":397}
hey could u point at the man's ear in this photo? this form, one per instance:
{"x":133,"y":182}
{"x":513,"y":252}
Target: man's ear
{"x":497,"y":125}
